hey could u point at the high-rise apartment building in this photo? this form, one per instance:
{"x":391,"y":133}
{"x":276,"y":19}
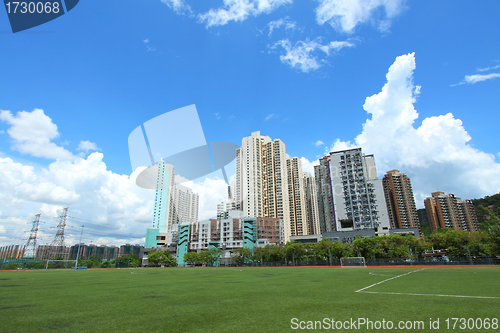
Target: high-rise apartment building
{"x":173,"y":204}
{"x":350,"y":193}
{"x":311,"y":204}
{"x":324,"y":196}
{"x":400,"y":200}
{"x":448,"y":211}
{"x":270,"y":184}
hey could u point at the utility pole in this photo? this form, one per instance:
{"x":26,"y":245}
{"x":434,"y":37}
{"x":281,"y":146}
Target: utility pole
{"x":80,"y":243}
{"x":58,"y":242}
{"x":30,"y":248}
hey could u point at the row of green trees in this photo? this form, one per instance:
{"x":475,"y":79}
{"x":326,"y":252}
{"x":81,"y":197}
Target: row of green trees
{"x":455,"y":243}
{"x":92,"y":262}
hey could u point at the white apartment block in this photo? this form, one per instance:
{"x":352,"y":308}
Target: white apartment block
{"x":358,"y":194}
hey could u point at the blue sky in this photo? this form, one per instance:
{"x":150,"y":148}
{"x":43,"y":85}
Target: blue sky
{"x":298,"y":71}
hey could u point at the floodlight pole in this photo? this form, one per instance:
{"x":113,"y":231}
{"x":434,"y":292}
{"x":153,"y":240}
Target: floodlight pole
{"x":79,"y":244}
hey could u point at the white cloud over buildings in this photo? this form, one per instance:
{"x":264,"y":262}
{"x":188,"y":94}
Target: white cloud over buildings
{"x":436,"y":155}
{"x":32,"y":133}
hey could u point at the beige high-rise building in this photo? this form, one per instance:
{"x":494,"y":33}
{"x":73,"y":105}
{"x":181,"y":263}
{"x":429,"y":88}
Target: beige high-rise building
{"x":311,"y":204}
{"x":400,"y":200}
{"x":448,"y":211}
{"x":270,"y":184}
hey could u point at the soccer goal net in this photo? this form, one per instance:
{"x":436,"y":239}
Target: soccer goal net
{"x":61,"y":264}
{"x":353,"y":262}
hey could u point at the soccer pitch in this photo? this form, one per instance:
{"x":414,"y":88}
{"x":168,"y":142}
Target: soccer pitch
{"x":250,"y":299}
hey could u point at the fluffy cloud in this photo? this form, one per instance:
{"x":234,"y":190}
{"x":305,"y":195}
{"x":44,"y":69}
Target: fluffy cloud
{"x":304,"y":55}
{"x":211,"y":192}
{"x":308,"y":166}
{"x":345,"y":15}
{"x":179,"y":6}
{"x":93,"y":194}
{"x":240,"y":10}
{"x":32,"y":133}
{"x":436,"y":155}
{"x":87,"y":146}
{"x":112,"y":207}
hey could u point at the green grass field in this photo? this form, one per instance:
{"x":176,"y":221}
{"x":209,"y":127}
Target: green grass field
{"x":241,"y":299}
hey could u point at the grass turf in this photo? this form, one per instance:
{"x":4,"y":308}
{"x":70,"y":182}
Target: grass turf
{"x":238,"y":299}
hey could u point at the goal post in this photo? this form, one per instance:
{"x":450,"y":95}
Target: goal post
{"x":59,"y":264}
{"x":352,"y":262}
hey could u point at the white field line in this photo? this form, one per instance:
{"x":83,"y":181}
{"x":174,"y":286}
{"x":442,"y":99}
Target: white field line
{"x":363,"y":290}
{"x":389,"y":293}
{"x":392,"y":278}
{"x":371,"y":273}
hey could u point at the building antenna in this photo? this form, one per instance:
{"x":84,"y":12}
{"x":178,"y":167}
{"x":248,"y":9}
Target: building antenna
{"x":58,"y":242}
{"x":30,"y":248}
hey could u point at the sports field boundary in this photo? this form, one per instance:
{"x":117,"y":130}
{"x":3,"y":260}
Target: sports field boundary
{"x":364,"y":290}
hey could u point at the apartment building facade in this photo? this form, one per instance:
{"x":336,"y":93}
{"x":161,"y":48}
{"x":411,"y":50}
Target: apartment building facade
{"x":271,"y":184}
{"x":351,"y":193}
{"x":400,"y":200}
{"x":450,"y":212}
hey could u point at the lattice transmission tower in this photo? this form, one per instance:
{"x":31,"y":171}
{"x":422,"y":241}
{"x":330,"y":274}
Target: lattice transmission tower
{"x":30,"y":248}
{"x":57,"y":247}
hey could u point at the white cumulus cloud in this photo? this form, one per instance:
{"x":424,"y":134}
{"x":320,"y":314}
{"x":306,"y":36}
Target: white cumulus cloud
{"x":32,"y":133}
{"x":92,"y":193}
{"x":240,"y":10}
{"x":436,"y":155}
{"x":345,"y":15}
{"x":308,"y":55}
{"x":112,"y":207}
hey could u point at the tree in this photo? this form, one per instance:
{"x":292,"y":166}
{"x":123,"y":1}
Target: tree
{"x":12,"y":265}
{"x":488,"y":221}
{"x":241,"y":255}
{"x":127,"y":261}
{"x":295,"y":251}
{"x":161,"y":258}
{"x":209,"y":257}
{"x":192,"y":258}
{"x":107,"y":264}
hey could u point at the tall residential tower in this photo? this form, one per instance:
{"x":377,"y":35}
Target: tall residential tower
{"x":350,"y":195}
{"x":271,"y":184}
{"x":173,"y":204}
{"x":400,"y":201}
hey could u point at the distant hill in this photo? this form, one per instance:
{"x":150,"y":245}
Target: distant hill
{"x":487,"y":210}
